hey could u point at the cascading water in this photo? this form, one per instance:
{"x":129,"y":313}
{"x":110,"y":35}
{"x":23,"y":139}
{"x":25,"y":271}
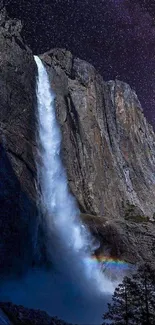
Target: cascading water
{"x":73,"y":242}
{"x":61,"y":212}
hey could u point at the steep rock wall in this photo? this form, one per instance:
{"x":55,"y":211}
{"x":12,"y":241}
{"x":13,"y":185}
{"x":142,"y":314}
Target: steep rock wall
{"x":18,"y":212}
{"x":108,"y":150}
{"x":108,"y":147}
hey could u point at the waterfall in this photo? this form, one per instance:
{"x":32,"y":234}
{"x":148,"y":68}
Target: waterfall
{"x":70,"y":244}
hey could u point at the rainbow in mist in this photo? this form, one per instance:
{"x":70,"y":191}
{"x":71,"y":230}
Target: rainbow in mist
{"x":109,"y":262}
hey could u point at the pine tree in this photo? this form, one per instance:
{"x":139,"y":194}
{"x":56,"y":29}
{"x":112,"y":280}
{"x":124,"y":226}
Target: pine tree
{"x":145,"y":280}
{"x":133,"y":302}
{"x":120,"y":311}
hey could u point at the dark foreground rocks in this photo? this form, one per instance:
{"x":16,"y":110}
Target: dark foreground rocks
{"x":19,"y":315}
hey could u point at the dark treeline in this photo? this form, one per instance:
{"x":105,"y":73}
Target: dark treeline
{"x":133,"y":302}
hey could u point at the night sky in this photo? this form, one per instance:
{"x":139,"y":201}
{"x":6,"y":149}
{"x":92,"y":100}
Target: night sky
{"x":116,"y":36}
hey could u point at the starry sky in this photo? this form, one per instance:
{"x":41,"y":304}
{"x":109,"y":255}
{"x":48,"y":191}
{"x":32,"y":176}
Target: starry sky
{"x":116,"y":36}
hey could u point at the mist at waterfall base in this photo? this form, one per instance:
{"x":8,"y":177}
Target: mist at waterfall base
{"x":75,"y":289}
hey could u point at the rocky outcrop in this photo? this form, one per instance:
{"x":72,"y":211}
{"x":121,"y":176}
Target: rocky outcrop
{"x":127,"y":240}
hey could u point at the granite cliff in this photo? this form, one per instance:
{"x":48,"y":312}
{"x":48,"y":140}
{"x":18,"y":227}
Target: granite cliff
{"x":107,"y":147}
{"x":108,"y":150}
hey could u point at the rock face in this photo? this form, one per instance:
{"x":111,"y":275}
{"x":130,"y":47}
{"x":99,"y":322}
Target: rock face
{"x":126,"y":240}
{"x":107,"y":147}
{"x":18,"y":214}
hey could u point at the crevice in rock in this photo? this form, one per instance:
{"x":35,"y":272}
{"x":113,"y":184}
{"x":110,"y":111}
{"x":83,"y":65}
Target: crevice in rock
{"x":107,"y":124}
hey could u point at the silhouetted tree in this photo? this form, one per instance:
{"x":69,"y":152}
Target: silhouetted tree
{"x":145,"y":281}
{"x":133,"y":302}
